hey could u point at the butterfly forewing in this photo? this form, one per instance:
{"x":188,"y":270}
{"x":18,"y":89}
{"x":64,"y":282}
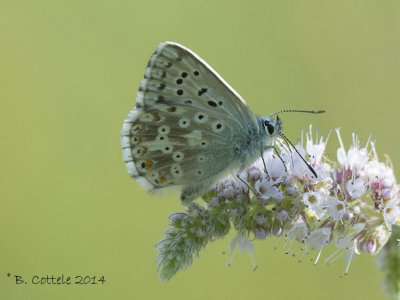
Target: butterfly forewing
{"x":186,"y":117}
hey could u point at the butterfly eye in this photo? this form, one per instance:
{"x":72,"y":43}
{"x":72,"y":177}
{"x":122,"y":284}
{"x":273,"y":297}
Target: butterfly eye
{"x":270,"y":127}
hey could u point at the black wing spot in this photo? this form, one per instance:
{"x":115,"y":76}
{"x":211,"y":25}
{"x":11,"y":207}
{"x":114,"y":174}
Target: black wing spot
{"x":163,"y":74}
{"x":184,"y":74}
{"x":219,"y":125}
{"x":202,"y":91}
{"x":220,"y":103}
{"x":179,"y":81}
{"x":168,"y":65}
{"x":162,"y":86}
{"x":179,"y":92}
{"x":188,"y":101}
{"x":212,"y":103}
{"x":196,"y":73}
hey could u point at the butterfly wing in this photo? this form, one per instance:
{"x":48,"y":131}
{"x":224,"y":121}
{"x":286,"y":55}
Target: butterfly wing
{"x":185,"y":124}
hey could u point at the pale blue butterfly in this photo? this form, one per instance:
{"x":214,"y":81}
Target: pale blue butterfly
{"x":189,"y":128}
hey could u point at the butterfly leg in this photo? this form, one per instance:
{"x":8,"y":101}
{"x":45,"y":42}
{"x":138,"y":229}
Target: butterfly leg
{"x":283,"y":162}
{"x":276,"y":152}
{"x":246,"y":183}
{"x":262,"y":157}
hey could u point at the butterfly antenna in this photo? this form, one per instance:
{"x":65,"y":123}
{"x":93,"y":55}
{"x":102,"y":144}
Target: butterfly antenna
{"x":297,"y":111}
{"x":302,"y":158}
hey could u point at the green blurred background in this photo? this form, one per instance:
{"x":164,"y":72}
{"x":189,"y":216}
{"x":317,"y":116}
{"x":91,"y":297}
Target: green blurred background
{"x":69,"y":75}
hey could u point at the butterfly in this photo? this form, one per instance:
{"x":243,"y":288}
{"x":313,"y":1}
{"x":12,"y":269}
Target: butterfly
{"x":189,"y":128}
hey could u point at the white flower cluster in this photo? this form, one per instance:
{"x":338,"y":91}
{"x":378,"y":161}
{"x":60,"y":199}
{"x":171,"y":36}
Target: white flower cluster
{"x":351,"y":203}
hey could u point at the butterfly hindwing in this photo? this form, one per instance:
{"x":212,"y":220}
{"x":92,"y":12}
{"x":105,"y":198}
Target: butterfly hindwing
{"x":184,"y":121}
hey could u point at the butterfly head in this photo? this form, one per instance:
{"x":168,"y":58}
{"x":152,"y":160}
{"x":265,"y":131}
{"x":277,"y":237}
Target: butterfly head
{"x":271,"y":126}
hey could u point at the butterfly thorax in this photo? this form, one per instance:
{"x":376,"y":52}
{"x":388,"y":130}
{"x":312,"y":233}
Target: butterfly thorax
{"x":257,"y":139}
{"x":247,"y":146}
